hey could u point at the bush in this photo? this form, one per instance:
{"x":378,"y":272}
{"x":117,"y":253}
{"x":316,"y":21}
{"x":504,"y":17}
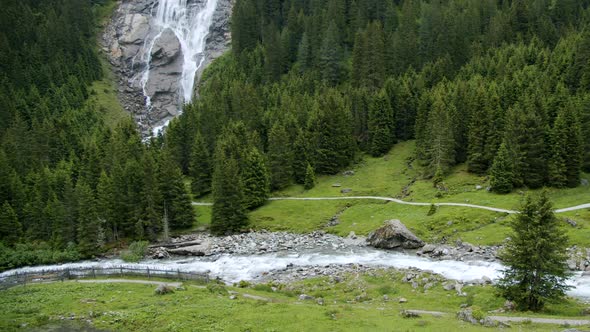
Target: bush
{"x":243,"y":284}
{"x":35,"y":254}
{"x":477,"y":313}
{"x":135,"y":252}
{"x":217,"y":289}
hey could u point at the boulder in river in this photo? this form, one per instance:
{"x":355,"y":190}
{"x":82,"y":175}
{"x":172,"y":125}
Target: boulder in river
{"x":394,"y":235}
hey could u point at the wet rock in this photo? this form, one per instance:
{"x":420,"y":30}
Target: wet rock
{"x":393,"y":235}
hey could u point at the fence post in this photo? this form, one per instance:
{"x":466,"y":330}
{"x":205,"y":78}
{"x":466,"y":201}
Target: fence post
{"x":25,"y":282}
{"x":93,"y":273}
{"x":178,"y":271}
{"x":148,"y":272}
{"x":121,"y":271}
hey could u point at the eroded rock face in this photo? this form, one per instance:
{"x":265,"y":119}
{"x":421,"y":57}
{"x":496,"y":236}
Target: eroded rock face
{"x":394,"y":235}
{"x":127,"y":41}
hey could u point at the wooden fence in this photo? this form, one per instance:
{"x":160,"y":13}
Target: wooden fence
{"x":25,"y":278}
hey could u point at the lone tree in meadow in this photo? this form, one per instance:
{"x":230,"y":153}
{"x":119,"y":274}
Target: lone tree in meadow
{"x":535,"y":257}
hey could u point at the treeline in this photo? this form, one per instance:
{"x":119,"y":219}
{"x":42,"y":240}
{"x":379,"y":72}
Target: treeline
{"x":500,"y":85}
{"x":70,"y":185}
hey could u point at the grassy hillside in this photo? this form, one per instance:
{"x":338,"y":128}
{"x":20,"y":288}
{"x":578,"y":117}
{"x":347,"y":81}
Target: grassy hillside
{"x":356,"y":303}
{"x":393,"y":176}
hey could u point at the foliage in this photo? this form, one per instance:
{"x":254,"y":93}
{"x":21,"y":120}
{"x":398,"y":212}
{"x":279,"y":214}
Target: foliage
{"x":535,"y":257}
{"x":135,"y":252}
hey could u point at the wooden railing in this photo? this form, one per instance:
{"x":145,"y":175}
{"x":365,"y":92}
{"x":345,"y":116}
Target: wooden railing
{"x":25,"y":278}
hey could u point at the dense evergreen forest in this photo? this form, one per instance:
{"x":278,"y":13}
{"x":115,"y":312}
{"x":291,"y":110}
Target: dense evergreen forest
{"x":308,"y":88}
{"x":68,"y":183}
{"x":503,"y":86}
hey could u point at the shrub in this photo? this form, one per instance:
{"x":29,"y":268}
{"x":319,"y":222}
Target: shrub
{"x":217,"y":289}
{"x":135,"y":252}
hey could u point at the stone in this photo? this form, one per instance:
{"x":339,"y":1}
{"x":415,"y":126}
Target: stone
{"x":478,"y":187}
{"x":466,"y":315}
{"x":486,"y":279}
{"x":232,"y":297}
{"x":393,"y":235}
{"x":572,"y":223}
{"x":509,"y":305}
{"x":427,"y":249}
{"x":348,"y":173}
{"x":320,"y":301}
{"x":584,"y":182}
{"x":305,"y":297}
{"x":352,"y":235}
{"x":449,"y":285}
{"x":336,"y":185}
{"x":385,"y":297}
{"x":345,"y":191}
{"x":409,"y":314}
{"x":402,"y":300}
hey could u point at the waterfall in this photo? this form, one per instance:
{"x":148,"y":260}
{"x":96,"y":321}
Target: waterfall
{"x":190,"y":22}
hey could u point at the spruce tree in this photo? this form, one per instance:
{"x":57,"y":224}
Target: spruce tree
{"x":535,"y":257}
{"x":441,"y":143}
{"x":200,"y":167}
{"x":381,"y":125}
{"x":566,"y":150}
{"x":10,"y":228}
{"x":309,"y":178}
{"x":228,"y":214}
{"x":280,"y":157}
{"x":501,"y":175}
{"x":301,"y":156}
{"x":330,"y":56}
{"x":88,"y":223}
{"x":174,"y":193}
{"x":255,"y":179}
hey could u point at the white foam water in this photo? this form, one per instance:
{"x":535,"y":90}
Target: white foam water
{"x":233,"y":268}
{"x":190,"y":23}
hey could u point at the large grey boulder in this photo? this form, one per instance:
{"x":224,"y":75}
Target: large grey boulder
{"x":394,"y":235}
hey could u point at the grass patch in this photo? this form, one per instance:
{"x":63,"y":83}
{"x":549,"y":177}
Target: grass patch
{"x":397,"y":175}
{"x":135,"y":307}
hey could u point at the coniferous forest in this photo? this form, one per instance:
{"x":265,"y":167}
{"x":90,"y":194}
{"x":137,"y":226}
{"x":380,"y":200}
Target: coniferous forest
{"x":307,"y":89}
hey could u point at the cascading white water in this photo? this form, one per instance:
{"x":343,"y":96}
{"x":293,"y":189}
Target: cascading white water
{"x":233,"y":268}
{"x":190,"y":23}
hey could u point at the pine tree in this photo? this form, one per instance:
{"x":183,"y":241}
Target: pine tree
{"x":280,"y":157}
{"x":256,"y":179}
{"x":88,"y":225}
{"x":330,"y":56}
{"x":381,"y":125}
{"x":309,"y":182}
{"x":244,"y":28}
{"x":200,"y":167}
{"x":10,"y":228}
{"x":329,"y":124}
{"x":174,"y":193}
{"x":501,"y":172}
{"x":535,"y":257}
{"x":228,"y":214}
{"x":301,"y":156}
{"x":441,"y":143}
{"x":566,"y":139}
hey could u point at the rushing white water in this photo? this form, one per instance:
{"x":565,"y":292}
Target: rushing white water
{"x":190,"y":23}
{"x":233,"y":268}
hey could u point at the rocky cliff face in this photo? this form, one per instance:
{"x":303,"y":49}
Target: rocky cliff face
{"x":148,"y":57}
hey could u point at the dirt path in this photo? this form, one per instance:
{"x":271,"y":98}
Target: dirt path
{"x":399,"y":201}
{"x":129,"y":281}
{"x":558,"y":321}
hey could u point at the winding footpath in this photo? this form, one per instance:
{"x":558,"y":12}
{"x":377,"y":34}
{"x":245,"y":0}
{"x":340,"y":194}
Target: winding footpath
{"x":399,"y":201}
